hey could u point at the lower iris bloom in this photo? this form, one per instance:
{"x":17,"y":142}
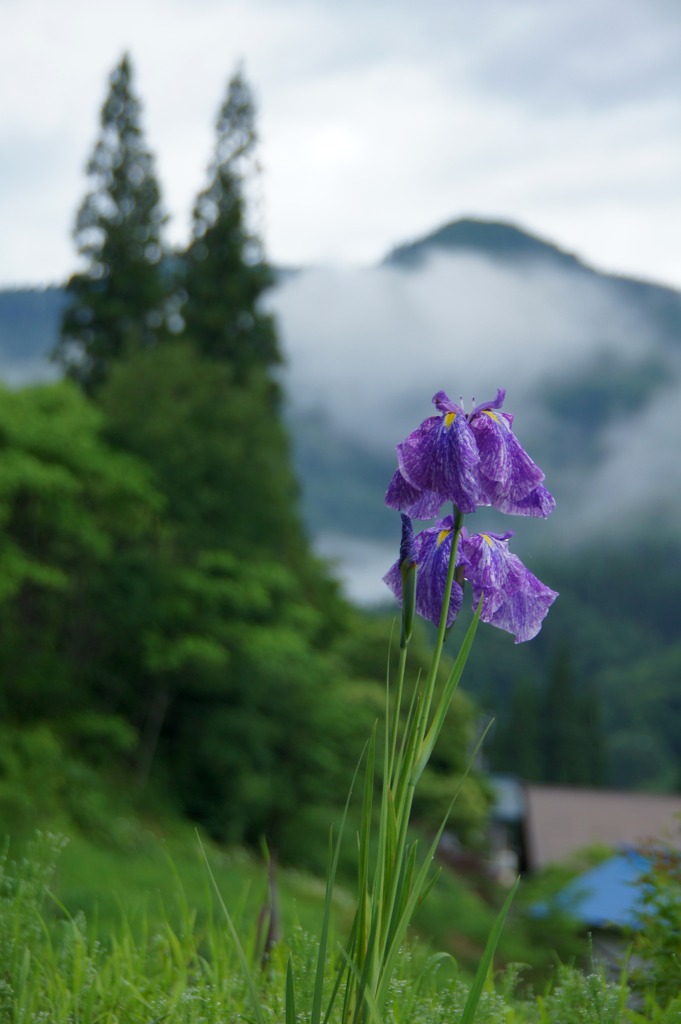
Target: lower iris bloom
{"x":513,"y":599}
{"x":430,"y":551}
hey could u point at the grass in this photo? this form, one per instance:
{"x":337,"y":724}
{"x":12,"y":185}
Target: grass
{"x":154,"y":946}
{"x":160,"y":876}
{"x":61,"y":968}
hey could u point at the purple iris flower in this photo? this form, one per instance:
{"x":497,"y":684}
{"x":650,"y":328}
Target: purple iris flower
{"x":430,"y":550}
{"x":438,"y":461}
{"x":468,"y":460}
{"x":513,"y":598}
{"x":509,"y":480}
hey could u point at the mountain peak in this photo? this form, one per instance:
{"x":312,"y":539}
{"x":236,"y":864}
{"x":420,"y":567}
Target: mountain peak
{"x":495,"y":240}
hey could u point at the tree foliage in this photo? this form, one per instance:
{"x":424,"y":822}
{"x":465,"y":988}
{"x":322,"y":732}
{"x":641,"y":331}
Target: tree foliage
{"x":218,"y":449}
{"x":225,"y":274}
{"x":117,"y":302}
{"x":74,"y":512}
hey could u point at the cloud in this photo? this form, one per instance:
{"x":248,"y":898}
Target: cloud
{"x":392,"y":338}
{"x":578,"y":55}
{"x":367,"y":349}
{"x":639,"y":480}
{"x":378,"y":121}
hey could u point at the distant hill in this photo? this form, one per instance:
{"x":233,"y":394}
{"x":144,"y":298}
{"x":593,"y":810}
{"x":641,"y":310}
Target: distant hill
{"x":29,"y":320}
{"x":503,"y":242}
{"x":491,"y":239}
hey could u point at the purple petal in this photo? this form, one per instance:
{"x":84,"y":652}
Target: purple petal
{"x":432,"y":547}
{"x":401,"y":495}
{"x":513,"y":598}
{"x":435,"y":551}
{"x":539,"y":503}
{"x":496,"y":403}
{"x":442,"y":456}
{"x":393,"y":580}
{"x":443,"y":403}
{"x":502,"y":457}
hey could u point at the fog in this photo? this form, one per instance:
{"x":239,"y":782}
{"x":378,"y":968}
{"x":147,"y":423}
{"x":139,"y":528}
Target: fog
{"x":367,"y":348}
{"x":370,"y":347}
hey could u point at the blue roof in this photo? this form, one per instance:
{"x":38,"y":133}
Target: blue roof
{"x":608,"y":895}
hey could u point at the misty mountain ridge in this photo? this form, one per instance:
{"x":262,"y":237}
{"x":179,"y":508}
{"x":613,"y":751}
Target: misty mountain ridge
{"x":497,"y":240}
{"x":591,"y":363}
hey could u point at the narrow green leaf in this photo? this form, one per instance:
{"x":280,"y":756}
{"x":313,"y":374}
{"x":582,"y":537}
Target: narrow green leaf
{"x":248,"y":974}
{"x":368,"y":998}
{"x":291,"y":1017}
{"x":446,"y":698}
{"x":332,"y":869}
{"x":471,"y":1006}
{"x":418,"y":887}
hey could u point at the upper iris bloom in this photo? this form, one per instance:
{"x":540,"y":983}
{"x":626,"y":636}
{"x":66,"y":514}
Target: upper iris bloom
{"x":513,"y":598}
{"x":468,"y":460}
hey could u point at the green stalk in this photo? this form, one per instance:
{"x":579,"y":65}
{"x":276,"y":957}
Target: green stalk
{"x":384,"y":913}
{"x":442,"y":628}
{"x":398,"y":704}
{"x":405,"y":794}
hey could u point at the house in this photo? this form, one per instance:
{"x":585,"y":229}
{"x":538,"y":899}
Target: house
{"x":547,"y":824}
{"x":561,"y":820}
{"x":605,"y":902}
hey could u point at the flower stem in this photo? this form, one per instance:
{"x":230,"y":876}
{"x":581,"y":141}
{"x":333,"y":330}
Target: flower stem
{"x":442,"y":628}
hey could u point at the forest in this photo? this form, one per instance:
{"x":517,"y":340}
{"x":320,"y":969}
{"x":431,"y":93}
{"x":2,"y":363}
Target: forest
{"x":165,"y":621}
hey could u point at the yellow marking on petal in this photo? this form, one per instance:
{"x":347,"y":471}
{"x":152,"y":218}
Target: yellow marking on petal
{"x":449,"y":419}
{"x":442,"y":536}
{"x":488,"y":539}
{"x":492,"y":415}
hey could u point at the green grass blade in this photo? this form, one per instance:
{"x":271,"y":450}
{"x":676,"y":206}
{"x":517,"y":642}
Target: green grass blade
{"x":291,"y":1017}
{"x":417,"y":889}
{"x":334,"y":854}
{"x":367,"y":997}
{"x":471,"y":1006}
{"x":245,"y":966}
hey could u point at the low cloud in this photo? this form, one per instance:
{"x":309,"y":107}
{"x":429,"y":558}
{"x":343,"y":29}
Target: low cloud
{"x":367,"y":349}
{"x":370,"y":347}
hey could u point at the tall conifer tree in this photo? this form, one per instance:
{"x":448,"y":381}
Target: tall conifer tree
{"x":116,"y":303}
{"x":225,"y":271}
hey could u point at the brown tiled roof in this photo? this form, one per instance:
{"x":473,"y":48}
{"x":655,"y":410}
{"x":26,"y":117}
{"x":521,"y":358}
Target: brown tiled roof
{"x":560,"y":820}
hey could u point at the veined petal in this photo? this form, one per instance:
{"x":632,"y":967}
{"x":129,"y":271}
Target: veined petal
{"x":435,"y":552}
{"x":487,"y":558}
{"x":496,"y":403}
{"x":539,"y":503}
{"x":401,"y":495}
{"x":432,"y":547}
{"x":506,"y":470}
{"x":443,"y":403}
{"x":513,"y":598}
{"x":441,"y":456}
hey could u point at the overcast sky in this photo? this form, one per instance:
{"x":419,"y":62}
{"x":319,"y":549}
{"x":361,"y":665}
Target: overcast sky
{"x":380,"y":120}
